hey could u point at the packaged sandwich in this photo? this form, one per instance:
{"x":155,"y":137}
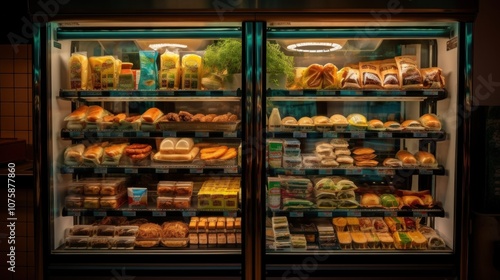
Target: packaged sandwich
{"x":389,"y":74}
{"x":349,"y":78}
{"x":432,"y":77}
{"x":409,"y":74}
{"x":329,"y":76}
{"x":76,"y":119}
{"x":312,"y":77}
{"x":78,"y":70}
{"x":370,"y":75}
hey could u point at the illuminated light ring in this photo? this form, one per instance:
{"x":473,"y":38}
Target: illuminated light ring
{"x":326,"y":47}
{"x":170,"y":45}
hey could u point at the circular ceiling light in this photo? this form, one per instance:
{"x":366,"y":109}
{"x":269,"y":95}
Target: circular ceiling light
{"x":167,"y":45}
{"x":314,"y":47}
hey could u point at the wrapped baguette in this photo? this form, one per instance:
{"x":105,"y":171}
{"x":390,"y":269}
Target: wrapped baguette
{"x":432,"y":77}
{"x":95,"y":113}
{"x":73,"y":155}
{"x":409,"y":74}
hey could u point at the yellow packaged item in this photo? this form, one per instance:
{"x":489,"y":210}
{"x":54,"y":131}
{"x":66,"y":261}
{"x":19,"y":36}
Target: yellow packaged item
{"x":78,"y":70}
{"x":170,"y":70}
{"x":102,"y":72}
{"x":191,"y":71}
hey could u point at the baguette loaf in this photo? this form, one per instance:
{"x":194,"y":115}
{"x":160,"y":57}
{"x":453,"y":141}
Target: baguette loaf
{"x":93,"y":154}
{"x":77,"y":115}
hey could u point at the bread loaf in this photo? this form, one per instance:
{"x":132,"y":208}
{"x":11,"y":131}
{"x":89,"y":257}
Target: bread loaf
{"x":73,"y":155}
{"x":406,"y":157}
{"x":95,"y":113}
{"x":167,"y":145}
{"x":425,"y":158}
{"x":78,"y":115}
{"x":430,"y":122}
{"x":392,"y":126}
{"x":184,"y":145}
{"x":93,"y":154}
{"x":151,"y":115}
{"x":177,"y":157}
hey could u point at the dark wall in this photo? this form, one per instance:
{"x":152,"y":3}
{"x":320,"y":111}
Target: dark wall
{"x":13,"y":24}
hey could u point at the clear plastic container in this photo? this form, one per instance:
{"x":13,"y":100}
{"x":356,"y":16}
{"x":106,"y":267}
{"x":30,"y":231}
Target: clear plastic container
{"x":104,"y":230}
{"x":126,"y":231}
{"x":76,"y":242}
{"x":165,"y":202}
{"x":74,"y":201}
{"x":100,"y":242}
{"x":123,"y":242}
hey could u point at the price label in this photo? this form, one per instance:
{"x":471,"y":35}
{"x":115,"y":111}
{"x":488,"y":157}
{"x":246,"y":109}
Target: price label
{"x":74,"y":213}
{"x":159,"y":214}
{"x":389,"y":172}
{"x":189,"y":213}
{"x":230,"y":134}
{"x":169,"y":134}
{"x":68,"y":170}
{"x":329,"y":134}
{"x":162,"y":170}
{"x":100,"y":170}
{"x":142,"y":134}
{"x":296,"y":92}
{"x":419,"y":214}
{"x":420,"y":134}
{"x":430,"y":93}
{"x":196,"y":170}
{"x":358,"y":135}
{"x":298,"y":172}
{"x":324,"y":214}
{"x":230,"y":214}
{"x":296,"y":214}
{"x":131,"y":170}
{"x":104,"y":134}
{"x":385,"y":135}
{"x":354,"y":171}
{"x":75,"y":134}
{"x":129,"y":213}
{"x":354,"y":214}
{"x":425,"y":172}
{"x":298,"y":134}
{"x":390,"y":214}
{"x":325,"y":172}
{"x":231,"y":170}
{"x":116,"y":134}
{"x":100,"y":213}
{"x":201,"y":134}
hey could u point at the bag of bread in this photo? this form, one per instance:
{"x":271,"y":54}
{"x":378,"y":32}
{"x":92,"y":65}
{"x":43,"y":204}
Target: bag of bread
{"x":312,"y":77}
{"x":409,"y":74}
{"x":78,"y":70}
{"x":170,"y":70}
{"x":148,"y":78}
{"x":349,"y":78}
{"x":191,"y":71}
{"x":102,"y":72}
{"x":329,"y":76}
{"x":432,"y":77}
{"x":370,"y":75}
{"x":389,"y":74}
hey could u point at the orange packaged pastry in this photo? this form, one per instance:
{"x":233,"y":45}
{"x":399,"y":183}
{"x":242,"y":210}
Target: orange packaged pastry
{"x":329,"y":76}
{"x":389,"y":73}
{"x":409,"y":74}
{"x":349,"y":78}
{"x":312,"y":77}
{"x":432,"y":77}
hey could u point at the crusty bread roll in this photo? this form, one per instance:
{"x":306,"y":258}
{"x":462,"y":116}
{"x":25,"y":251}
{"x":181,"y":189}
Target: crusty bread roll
{"x":412,"y":125}
{"x":289,"y":120}
{"x":338,"y":119}
{"x":306,"y":121}
{"x":375,"y":124}
{"x":392,"y":126}
{"x":151,"y":115}
{"x":184,"y":145}
{"x":73,"y":155}
{"x":406,"y":157}
{"x":320,"y":120}
{"x":167,"y":145}
{"x":77,"y":115}
{"x":392,"y":162}
{"x":425,"y":158}
{"x":430,"y":122}
{"x":363,"y":151}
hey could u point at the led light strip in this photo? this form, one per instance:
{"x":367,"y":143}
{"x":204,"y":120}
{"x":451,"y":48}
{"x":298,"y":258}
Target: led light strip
{"x":322,"y":47}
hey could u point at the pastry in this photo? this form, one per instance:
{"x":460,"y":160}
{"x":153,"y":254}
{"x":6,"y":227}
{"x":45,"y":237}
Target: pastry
{"x":392,"y":162}
{"x":167,"y":145}
{"x":113,"y":153}
{"x":359,"y":240}
{"x":389,"y":201}
{"x":148,"y":235}
{"x":370,"y":200}
{"x":73,"y":155}
{"x":406,"y":158}
{"x":177,"y":157}
{"x":151,"y":115}
{"x":392,"y":126}
{"x":412,"y":125}
{"x":95,"y":113}
{"x":329,"y":76}
{"x":184,"y":146}
{"x":376,"y":125}
{"x":289,"y":120}
{"x":338,"y":119}
{"x":425,"y":158}
{"x":93,"y":154}
{"x":312,"y":77}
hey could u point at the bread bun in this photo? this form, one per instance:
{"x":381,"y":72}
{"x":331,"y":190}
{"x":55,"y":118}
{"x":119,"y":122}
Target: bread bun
{"x":305,"y":121}
{"x":425,"y":158}
{"x":406,"y":157}
{"x":412,"y":125}
{"x":289,"y":120}
{"x":392,"y":162}
{"x":392,"y":126}
{"x":430,"y":122}
{"x":370,"y":200}
{"x":338,"y":119}
{"x":376,"y":124}
{"x":320,"y":120}
{"x":363,"y":151}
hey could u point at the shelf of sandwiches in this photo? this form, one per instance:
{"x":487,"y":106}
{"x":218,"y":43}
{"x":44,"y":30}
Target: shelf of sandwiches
{"x":146,"y":95}
{"x":332,"y":196}
{"x":96,"y":118}
{"x":351,"y":234}
{"x":169,"y":155}
{"x":285,"y":156}
{"x":125,"y":233}
{"x":115,"y":196}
